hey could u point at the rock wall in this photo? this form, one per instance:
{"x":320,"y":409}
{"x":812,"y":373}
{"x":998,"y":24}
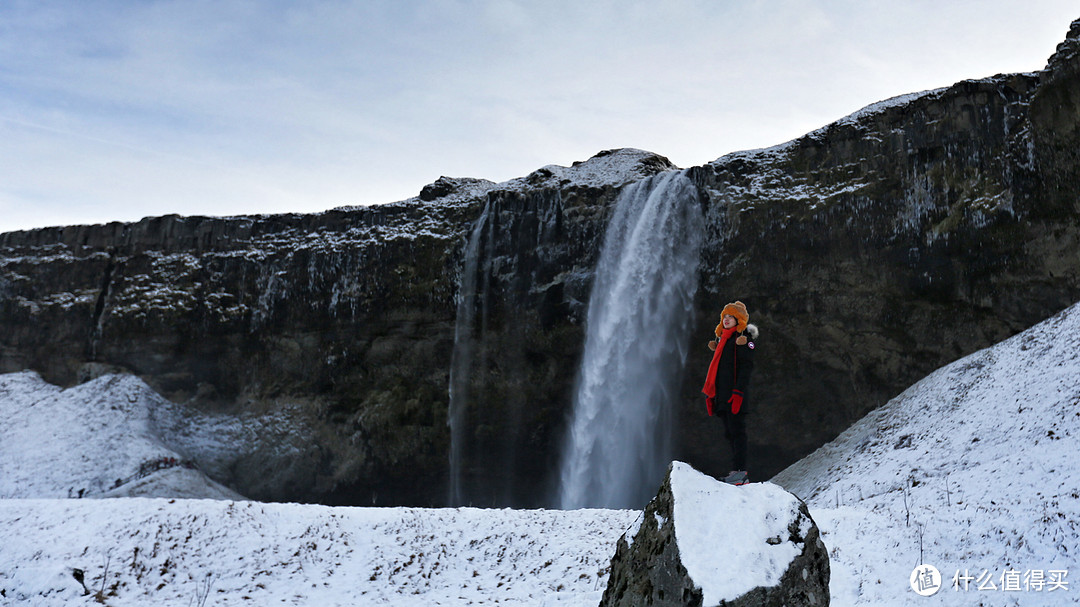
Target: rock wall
{"x":338,"y":323}
{"x":338,"y":327}
{"x":890,"y":243}
{"x":869,"y":252}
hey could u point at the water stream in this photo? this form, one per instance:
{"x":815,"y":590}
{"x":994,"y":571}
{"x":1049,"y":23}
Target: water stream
{"x":461,"y":361}
{"x":618,"y":444}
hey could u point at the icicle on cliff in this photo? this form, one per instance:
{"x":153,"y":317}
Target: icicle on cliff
{"x":640,"y":313}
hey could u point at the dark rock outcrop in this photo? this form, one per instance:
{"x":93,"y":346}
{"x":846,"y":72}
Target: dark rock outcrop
{"x":869,"y":252}
{"x":771,"y":553}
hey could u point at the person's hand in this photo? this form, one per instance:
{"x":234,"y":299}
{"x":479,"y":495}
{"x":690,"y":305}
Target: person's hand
{"x":712,"y":345}
{"x":735,"y":401}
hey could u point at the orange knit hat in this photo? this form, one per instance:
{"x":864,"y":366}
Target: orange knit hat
{"x":738,"y":310}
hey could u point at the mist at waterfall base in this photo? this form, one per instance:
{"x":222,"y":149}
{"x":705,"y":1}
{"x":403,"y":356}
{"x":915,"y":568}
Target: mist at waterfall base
{"x":640,"y":314}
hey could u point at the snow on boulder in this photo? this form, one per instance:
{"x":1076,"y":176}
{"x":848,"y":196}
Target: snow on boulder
{"x":702,"y":542}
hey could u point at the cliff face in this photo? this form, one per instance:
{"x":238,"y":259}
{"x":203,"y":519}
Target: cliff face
{"x":869,"y":252}
{"x":891,"y":242}
{"x":335,"y":331}
{"x":331,"y":324}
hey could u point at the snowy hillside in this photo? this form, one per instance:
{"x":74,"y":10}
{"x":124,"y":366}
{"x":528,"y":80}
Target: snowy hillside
{"x":975,"y":466}
{"x":99,"y":439}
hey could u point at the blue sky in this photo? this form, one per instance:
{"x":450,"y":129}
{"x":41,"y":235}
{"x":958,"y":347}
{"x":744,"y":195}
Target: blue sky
{"x":117,"y":110}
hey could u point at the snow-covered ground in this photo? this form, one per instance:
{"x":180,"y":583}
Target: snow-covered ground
{"x":99,"y":439}
{"x":972,"y":470}
{"x":114,"y":437}
{"x":165,"y":552}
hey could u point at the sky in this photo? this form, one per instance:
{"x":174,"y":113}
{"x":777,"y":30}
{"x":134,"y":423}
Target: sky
{"x":114,"y":110}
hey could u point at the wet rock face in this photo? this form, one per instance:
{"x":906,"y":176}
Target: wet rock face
{"x":1056,"y":131}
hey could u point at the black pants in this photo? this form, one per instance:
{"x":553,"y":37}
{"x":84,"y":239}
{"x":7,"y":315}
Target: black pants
{"x":735,"y":432}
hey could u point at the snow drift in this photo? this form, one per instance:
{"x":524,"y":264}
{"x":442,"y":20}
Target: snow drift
{"x":165,"y":552}
{"x":972,"y":470}
{"x":98,"y":439}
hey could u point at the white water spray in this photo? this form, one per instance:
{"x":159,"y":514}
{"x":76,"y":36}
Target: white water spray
{"x":640,"y":315}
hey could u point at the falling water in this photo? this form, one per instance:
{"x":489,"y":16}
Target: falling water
{"x":640,"y":314}
{"x":461,"y":361}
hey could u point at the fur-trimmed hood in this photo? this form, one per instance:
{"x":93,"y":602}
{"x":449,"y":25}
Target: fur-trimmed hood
{"x":752,"y":330}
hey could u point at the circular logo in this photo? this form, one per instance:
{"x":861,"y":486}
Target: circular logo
{"x":925,"y":580}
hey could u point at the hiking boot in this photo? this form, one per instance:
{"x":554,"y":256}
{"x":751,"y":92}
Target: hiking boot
{"x":737,"y":477}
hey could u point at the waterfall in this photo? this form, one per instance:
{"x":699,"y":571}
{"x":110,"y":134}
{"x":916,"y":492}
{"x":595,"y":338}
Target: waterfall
{"x":461,"y":361}
{"x":640,"y":315}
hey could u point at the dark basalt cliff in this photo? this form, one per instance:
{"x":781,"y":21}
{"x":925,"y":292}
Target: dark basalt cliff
{"x":892,"y":242}
{"x":333,"y":325}
{"x":334,"y":331}
{"x":869,"y":253}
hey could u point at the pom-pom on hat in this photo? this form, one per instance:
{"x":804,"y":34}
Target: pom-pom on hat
{"x":738,"y":310}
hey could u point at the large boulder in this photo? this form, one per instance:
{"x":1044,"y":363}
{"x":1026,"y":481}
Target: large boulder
{"x":701,"y":542}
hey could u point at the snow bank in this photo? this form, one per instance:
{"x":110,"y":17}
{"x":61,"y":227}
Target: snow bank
{"x":972,"y":470}
{"x":115,"y":437}
{"x":164,"y":552}
{"x":97,"y":439}
{"x":732,"y":539}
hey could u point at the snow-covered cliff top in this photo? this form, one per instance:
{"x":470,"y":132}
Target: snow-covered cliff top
{"x":609,"y":168}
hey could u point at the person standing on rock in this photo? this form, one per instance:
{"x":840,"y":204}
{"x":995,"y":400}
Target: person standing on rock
{"x":728,"y":380}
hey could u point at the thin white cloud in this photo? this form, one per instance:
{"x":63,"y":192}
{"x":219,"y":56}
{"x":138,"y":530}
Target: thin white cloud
{"x":117,"y":110}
